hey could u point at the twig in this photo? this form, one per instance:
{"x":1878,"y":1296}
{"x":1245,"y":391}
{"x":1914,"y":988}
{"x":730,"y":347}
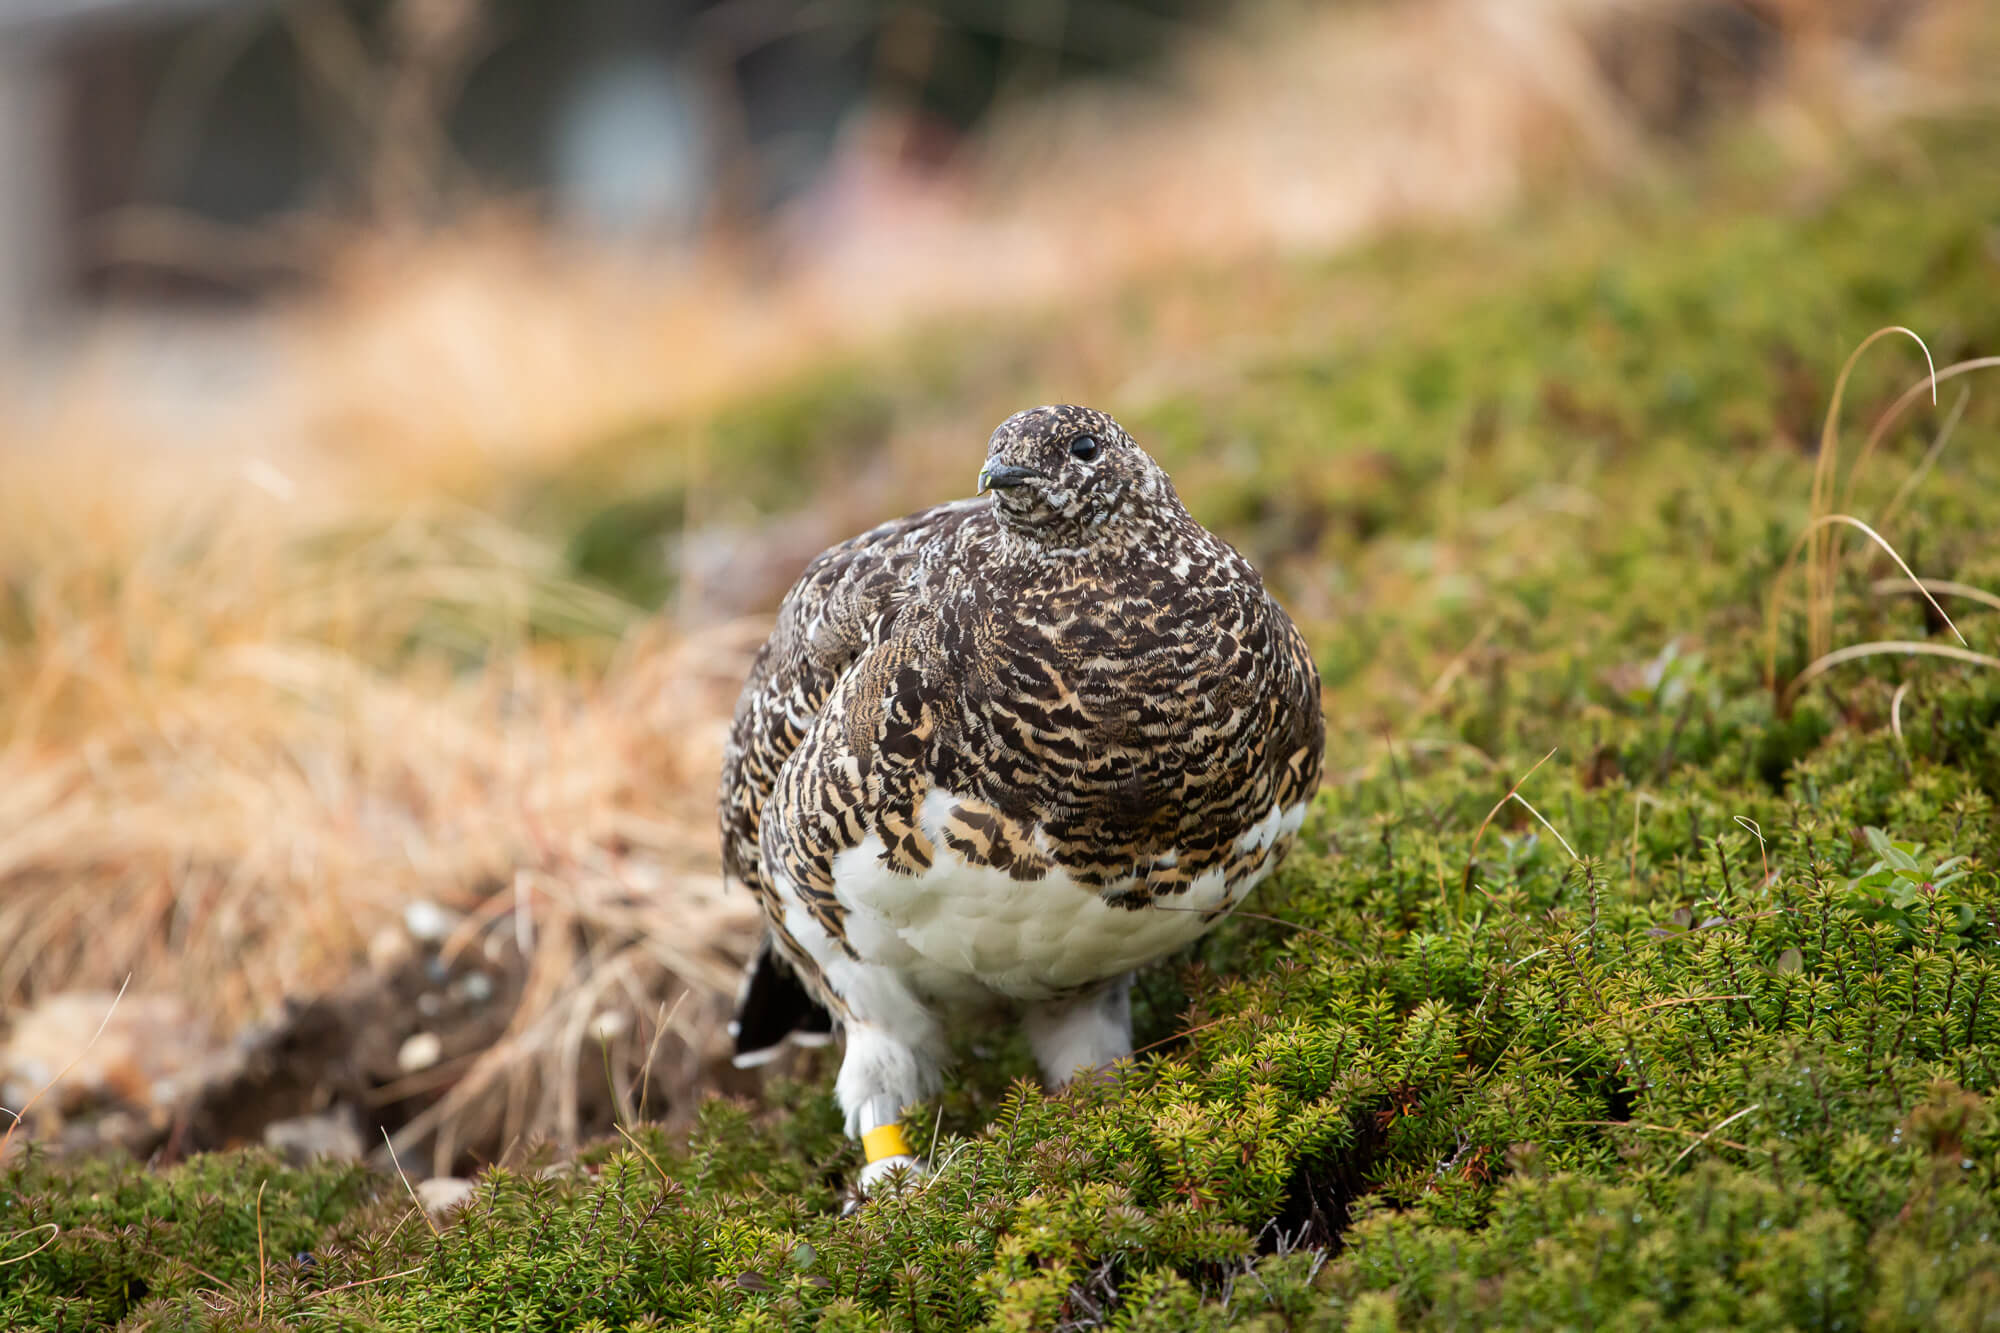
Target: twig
{"x":1260,"y":916}
{"x":1705,"y":1137}
{"x":1186,"y":1032}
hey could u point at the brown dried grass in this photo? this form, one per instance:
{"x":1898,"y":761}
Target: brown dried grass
{"x":231,"y":756}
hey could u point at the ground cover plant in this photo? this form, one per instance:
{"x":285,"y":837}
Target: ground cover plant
{"x":1640,"y":968}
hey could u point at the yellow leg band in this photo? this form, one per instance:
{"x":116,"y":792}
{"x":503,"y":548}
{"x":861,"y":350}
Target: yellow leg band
{"x":885,"y":1141}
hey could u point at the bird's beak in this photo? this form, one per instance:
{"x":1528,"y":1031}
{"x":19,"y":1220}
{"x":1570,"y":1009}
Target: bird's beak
{"x":1003,"y":476}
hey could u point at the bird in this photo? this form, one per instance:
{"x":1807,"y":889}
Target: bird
{"x":996,"y":756}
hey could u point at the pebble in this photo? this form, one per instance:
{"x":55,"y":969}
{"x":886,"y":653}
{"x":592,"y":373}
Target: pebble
{"x":427,"y":922}
{"x":420,"y":1050}
{"x":123,"y":1061}
{"x":441,"y":1194}
{"x":307,"y":1138}
{"x":474,"y":987}
{"x":389,"y":950}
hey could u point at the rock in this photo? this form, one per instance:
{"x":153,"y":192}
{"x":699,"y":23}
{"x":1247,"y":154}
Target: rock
{"x":148,"y":1047}
{"x":441,"y":1194}
{"x":390,"y":950}
{"x":420,"y":1051}
{"x":307,"y":1138}
{"x":473,"y":988}
{"x":429,"y":923}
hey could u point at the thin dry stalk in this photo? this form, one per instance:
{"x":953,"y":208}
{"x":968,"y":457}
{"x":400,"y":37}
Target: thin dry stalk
{"x":61,"y":1074}
{"x":263,"y":1270}
{"x":410,"y":1189}
{"x":370,"y":1281}
{"x":1778,"y":587}
{"x":1763,"y":852}
{"x":1907,"y":399}
{"x":1547,"y":825}
{"x":1919,"y":472}
{"x":640,"y":1148}
{"x":54,"y":1231}
{"x":1820,"y":566}
{"x":1886,"y":647}
{"x":1471,"y":856}
{"x":664,"y":1021}
{"x":1639,"y":799}
{"x":1663,"y":1129}
{"x":1715,"y":1129}
{"x":1942,"y":587}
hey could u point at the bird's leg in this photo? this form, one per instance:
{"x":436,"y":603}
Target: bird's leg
{"x":894,"y":1050}
{"x":1083,"y":1032}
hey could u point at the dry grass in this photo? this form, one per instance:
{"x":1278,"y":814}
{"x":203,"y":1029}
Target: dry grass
{"x":257,"y":696}
{"x":1821,"y":538}
{"x":233,"y":755}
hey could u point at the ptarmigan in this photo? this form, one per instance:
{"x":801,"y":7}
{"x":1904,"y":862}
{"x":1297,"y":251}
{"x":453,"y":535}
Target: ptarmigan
{"x":998,"y":754}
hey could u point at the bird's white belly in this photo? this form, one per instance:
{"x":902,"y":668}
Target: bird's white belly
{"x":960,"y":932}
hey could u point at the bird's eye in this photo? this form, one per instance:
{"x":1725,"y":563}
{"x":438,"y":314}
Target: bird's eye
{"x":1084,"y":448}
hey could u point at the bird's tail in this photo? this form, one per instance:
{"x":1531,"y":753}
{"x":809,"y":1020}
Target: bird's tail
{"x":774,"y":1007}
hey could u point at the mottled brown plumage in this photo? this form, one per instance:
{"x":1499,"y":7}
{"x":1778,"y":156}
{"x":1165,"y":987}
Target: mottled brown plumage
{"x":1009,"y":748}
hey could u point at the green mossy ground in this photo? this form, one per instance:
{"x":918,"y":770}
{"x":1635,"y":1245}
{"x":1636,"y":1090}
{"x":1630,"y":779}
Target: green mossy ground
{"x":1731,"y":1065}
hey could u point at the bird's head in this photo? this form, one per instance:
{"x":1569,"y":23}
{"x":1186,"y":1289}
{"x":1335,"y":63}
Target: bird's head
{"x":1063,"y":475}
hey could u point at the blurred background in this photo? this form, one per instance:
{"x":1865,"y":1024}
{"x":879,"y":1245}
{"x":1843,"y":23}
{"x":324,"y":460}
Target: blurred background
{"x":411,"y":410}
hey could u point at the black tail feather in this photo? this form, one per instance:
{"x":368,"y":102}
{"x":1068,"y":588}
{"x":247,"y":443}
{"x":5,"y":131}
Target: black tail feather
{"x":774,"y":1006}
